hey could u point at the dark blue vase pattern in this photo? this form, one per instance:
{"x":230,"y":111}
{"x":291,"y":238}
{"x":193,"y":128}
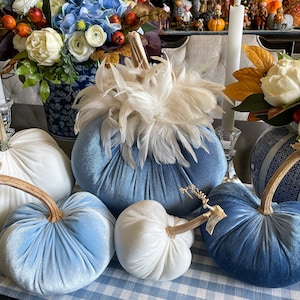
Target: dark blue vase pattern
{"x":58,"y":108}
{"x":270,"y":151}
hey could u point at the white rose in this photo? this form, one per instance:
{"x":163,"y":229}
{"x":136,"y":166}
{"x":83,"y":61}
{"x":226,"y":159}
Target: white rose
{"x":281,"y":85}
{"x":79,"y":47}
{"x":22,"y":6}
{"x":95,"y":36}
{"x":44,"y":46}
{"x":19,"y":42}
{"x":55,"y":6}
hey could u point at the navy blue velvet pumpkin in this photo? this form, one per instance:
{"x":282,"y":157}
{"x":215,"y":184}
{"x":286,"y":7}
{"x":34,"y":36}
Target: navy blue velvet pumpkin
{"x":253,"y":246}
{"x":119,"y":185}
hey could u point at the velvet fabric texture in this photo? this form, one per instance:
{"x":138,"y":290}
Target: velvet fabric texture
{"x":34,"y":156}
{"x":118,"y":185}
{"x":258,"y":249}
{"x":47,"y":258}
{"x":144,"y":248}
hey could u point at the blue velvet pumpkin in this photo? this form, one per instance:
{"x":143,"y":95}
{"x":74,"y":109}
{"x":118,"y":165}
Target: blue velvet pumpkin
{"x":56,"y":249}
{"x":119,"y":185}
{"x":259,"y":241}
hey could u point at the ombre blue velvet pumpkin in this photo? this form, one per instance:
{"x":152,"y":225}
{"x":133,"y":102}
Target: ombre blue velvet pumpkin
{"x":258,"y":249}
{"x":46,"y":258}
{"x":118,"y":185}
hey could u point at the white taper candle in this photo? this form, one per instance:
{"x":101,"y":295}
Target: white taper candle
{"x":234,"y":47}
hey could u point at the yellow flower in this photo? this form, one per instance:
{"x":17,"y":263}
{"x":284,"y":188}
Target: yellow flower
{"x":249,"y":78}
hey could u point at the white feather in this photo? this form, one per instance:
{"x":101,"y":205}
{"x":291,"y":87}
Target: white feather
{"x":158,"y":109}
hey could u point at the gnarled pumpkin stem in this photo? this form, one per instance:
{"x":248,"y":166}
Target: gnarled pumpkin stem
{"x":215,"y":212}
{"x":3,"y":136}
{"x":266,"y":201}
{"x":212,"y":217}
{"x":55,"y":214}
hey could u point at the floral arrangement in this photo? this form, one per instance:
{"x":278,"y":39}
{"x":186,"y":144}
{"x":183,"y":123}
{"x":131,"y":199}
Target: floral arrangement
{"x":269,"y":91}
{"x":51,"y":37}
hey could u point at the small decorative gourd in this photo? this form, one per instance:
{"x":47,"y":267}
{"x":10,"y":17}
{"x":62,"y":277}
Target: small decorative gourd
{"x":50,"y":248}
{"x":145,"y":130}
{"x":34,"y":156}
{"x":152,"y":244}
{"x":258,"y":243}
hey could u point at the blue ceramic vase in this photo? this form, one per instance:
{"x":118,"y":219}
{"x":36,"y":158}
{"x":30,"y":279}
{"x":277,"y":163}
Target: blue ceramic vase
{"x":60,"y":115}
{"x":269,"y":152}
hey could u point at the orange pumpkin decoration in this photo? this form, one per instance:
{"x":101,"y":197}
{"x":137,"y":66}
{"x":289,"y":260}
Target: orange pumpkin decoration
{"x":216,"y":24}
{"x":272,"y":6}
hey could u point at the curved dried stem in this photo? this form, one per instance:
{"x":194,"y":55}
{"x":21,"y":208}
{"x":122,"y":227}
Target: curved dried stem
{"x":55,"y":214}
{"x":266,"y":201}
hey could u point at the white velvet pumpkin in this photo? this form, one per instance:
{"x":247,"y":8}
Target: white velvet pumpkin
{"x":143,"y":246}
{"x":34,"y":156}
{"x":152,"y":244}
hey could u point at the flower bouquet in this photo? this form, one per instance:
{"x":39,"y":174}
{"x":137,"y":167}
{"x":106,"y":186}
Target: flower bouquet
{"x":47,"y":39}
{"x":269,"y":91}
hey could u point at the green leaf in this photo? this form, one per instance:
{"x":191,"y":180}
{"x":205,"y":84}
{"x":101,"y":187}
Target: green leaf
{"x":44,"y":90}
{"x":23,"y":70}
{"x":21,"y":55}
{"x":148,"y":27}
{"x":281,"y":55}
{"x":280,"y":120}
{"x":27,"y":67}
{"x":22,"y":78}
{"x":253,"y":103}
{"x":32,"y":80}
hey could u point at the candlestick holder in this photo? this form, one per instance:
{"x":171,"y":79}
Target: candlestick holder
{"x":228,"y":140}
{"x":5,"y":110}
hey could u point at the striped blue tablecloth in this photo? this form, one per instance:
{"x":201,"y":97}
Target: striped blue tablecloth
{"x":204,"y":280}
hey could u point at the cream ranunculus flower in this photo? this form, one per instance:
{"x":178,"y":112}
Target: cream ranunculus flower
{"x":22,"y":6}
{"x":44,"y":46}
{"x":95,"y":36}
{"x":281,"y":85}
{"x":79,"y":47}
{"x":19,"y":42}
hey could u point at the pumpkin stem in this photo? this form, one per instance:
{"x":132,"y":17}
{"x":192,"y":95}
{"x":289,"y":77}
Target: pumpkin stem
{"x":213,"y":216}
{"x":138,"y":55}
{"x":172,"y":231}
{"x":55,"y":214}
{"x":266,"y":202}
{"x":3,"y":136}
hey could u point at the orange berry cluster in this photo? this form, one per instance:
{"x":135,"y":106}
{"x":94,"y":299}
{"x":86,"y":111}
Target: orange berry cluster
{"x":34,"y":18}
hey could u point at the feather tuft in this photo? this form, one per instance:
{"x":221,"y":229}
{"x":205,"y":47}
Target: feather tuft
{"x":160,"y":109}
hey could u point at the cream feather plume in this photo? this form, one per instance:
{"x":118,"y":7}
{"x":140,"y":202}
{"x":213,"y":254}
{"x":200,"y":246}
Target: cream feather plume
{"x":159,"y":109}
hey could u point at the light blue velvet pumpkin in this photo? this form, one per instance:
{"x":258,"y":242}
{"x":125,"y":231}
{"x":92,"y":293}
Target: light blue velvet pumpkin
{"x":256,"y":248}
{"x":56,"y":249}
{"x":119,"y":185}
